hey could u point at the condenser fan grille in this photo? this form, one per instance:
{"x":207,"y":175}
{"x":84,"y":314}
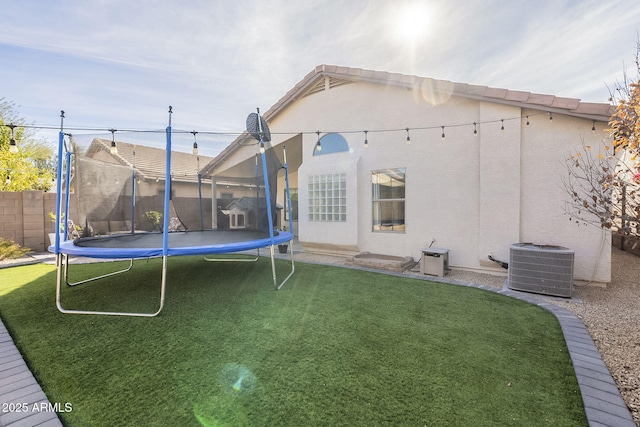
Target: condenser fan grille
{"x":542,"y":269}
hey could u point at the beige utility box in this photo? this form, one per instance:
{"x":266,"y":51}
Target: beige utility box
{"x":434,"y":262}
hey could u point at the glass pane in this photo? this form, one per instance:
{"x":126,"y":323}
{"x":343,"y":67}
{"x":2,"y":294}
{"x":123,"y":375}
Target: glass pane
{"x":388,"y":184}
{"x":377,"y":214}
{"x":388,"y":216}
{"x":397,"y":186}
{"x":327,"y":194}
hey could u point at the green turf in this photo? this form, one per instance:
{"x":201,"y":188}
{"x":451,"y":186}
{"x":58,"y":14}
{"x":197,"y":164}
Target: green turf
{"x":334,"y":347}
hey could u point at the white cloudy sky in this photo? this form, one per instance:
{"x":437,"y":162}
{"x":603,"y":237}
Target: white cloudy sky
{"x":115,"y":63}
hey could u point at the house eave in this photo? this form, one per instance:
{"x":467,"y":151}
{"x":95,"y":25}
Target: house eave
{"x":526,"y":100}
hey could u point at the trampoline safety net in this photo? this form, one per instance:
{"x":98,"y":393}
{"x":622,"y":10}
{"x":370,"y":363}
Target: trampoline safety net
{"x":124,"y":191}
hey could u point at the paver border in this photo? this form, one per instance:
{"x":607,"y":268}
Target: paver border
{"x":20,"y":388}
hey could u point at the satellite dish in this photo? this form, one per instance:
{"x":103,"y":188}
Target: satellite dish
{"x":258,"y":128}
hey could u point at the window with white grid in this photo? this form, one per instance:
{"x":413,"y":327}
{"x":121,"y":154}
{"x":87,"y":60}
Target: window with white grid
{"x":328,"y":197}
{"x":388,"y":196}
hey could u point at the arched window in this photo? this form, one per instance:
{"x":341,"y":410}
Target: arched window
{"x":331,"y":143}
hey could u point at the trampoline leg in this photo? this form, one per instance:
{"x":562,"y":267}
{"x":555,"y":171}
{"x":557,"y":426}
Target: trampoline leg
{"x":273,"y":266}
{"x":293,"y":267}
{"x":62,"y":263}
{"x":66,"y":274}
{"x":233,"y":259}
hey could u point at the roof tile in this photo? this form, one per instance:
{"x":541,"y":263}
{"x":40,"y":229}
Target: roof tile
{"x":516,"y":95}
{"x":594,"y":108}
{"x":568,"y":103}
{"x":496,"y":93}
{"x":539,"y":99}
{"x":368,"y":73}
{"x":151,"y":161}
{"x":476,"y":90}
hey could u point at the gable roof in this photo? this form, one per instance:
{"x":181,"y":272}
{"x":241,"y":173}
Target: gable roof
{"x":332,"y":76}
{"x":315,"y":82}
{"x":150,"y":162}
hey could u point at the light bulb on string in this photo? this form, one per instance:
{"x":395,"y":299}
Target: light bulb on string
{"x":593,"y":127}
{"x":195,"y":143}
{"x":443,"y":135}
{"x":318,"y":143}
{"x":475,"y":129}
{"x":408,"y":137}
{"x":502,"y":125}
{"x":366,"y":141}
{"x":13,"y":147}
{"x":114,"y":147}
{"x":527,"y":120}
{"x":550,"y":116}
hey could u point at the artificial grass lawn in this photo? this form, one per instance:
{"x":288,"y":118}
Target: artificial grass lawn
{"x":334,"y":347}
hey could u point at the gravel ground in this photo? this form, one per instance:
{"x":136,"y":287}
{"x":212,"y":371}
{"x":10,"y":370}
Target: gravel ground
{"x":612,"y":314}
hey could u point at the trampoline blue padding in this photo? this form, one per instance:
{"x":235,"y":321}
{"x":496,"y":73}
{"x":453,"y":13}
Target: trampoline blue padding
{"x":145,"y":245}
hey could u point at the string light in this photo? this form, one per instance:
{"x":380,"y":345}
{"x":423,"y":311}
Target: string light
{"x":114,"y":147}
{"x":240,"y":133}
{"x":593,"y":127}
{"x":195,"y":143}
{"x":13,"y":147}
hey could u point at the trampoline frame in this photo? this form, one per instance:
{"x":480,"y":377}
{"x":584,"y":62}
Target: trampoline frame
{"x":64,"y":249}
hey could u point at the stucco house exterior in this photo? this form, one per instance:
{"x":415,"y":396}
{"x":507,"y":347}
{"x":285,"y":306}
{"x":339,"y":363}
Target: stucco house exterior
{"x":407,"y":162}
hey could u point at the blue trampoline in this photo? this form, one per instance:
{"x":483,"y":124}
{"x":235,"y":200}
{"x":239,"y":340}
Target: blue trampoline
{"x":114,"y":191}
{"x":148,"y":245}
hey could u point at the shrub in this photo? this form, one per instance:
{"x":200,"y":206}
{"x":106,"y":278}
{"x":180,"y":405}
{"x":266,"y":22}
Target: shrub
{"x":10,"y":249}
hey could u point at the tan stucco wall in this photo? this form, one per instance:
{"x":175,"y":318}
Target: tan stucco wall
{"x":475,"y":195}
{"x":542,"y":217}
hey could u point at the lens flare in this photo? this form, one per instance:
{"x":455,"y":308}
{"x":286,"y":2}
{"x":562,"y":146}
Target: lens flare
{"x":225,"y":405}
{"x":237,"y":379}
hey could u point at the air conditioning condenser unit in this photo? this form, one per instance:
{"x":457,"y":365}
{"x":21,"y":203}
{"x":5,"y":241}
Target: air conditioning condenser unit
{"x":542,"y":269}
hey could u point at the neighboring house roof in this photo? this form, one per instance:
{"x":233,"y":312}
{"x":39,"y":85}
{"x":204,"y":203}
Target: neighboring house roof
{"x":150,"y":162}
{"x":332,"y":76}
{"x":247,"y":203}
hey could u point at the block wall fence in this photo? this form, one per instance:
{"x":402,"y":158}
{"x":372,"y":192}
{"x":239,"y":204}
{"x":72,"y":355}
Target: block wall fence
{"x":24,"y":218}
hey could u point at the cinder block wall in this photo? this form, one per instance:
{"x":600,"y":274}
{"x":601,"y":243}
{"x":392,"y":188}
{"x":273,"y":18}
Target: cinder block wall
{"x":24,"y":218}
{"x":11,"y":225}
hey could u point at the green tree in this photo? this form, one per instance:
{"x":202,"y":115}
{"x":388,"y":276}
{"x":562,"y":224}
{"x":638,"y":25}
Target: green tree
{"x":31,"y":168}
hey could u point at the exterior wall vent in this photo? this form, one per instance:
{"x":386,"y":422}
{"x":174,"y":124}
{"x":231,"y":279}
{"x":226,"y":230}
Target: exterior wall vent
{"x":326,"y":84}
{"x":542,"y":269}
